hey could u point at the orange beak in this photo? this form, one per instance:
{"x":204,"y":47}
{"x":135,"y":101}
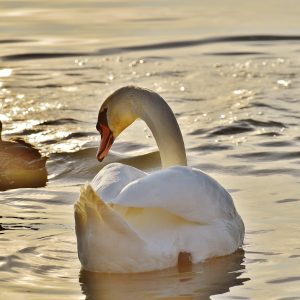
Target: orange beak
{"x":106,"y":142}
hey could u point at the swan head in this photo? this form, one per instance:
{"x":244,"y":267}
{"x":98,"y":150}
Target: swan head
{"x":116,"y":113}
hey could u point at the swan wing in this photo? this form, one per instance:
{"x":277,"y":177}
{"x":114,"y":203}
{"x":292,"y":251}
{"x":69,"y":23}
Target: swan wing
{"x":112,"y":179}
{"x":183,"y":191}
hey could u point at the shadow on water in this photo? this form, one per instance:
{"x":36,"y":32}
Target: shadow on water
{"x":82,"y":165}
{"x":157,"y":46}
{"x":215,"y":276}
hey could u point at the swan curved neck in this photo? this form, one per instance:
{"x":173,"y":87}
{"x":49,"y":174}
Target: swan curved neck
{"x":157,"y":114}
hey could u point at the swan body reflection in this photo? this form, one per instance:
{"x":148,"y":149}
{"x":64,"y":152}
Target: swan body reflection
{"x":213,"y":277}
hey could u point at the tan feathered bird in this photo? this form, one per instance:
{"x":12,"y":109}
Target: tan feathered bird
{"x":21,"y":164}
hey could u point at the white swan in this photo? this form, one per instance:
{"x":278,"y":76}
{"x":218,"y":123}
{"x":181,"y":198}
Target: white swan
{"x":131,"y":221}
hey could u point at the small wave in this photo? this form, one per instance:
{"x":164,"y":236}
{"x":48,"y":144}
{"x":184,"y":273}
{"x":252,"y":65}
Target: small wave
{"x":155,"y":46}
{"x":15,"y":41}
{"x":76,"y":135}
{"x":230,"y":130}
{"x":244,"y":125}
{"x":275,"y":144}
{"x":90,"y":81}
{"x":236,"y":53}
{"x":214,"y":40}
{"x":240,"y":170}
{"x":211,"y":147}
{"x":265,"y":253}
{"x":48,"y":85}
{"x":30,"y":56}
{"x":270,"y":133}
{"x":22,"y":74}
{"x":59,"y":85}
{"x":10,"y":263}
{"x":18,"y":226}
{"x":258,"y":123}
{"x":272,"y":171}
{"x":62,"y":121}
{"x":216,"y":168}
{"x":285,"y":279}
{"x":288,"y":200}
{"x":26,"y":132}
{"x":31,"y":249}
{"x":268,"y":155}
{"x":258,"y":104}
{"x":199,"y":131}
{"x":73,"y":74}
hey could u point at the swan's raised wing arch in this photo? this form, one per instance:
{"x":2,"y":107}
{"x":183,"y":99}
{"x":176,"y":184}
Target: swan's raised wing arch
{"x":185,"y":192}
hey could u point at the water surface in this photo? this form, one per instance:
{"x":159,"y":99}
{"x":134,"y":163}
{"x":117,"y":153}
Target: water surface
{"x":230,"y":72}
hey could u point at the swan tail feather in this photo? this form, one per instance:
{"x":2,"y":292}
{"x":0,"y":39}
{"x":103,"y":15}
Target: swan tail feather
{"x":99,"y":229}
{"x":90,"y":208}
{"x":85,"y":206}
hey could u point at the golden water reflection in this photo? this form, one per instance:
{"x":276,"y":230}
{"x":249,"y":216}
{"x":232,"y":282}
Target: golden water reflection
{"x":213,"y":277}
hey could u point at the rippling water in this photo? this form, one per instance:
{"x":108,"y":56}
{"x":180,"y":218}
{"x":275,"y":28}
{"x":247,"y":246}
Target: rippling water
{"x":231,"y":75}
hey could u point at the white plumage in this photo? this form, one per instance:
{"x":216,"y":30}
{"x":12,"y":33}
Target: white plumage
{"x":131,"y":221}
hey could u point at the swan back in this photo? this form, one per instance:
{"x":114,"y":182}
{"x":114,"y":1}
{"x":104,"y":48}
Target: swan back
{"x":186,"y":192}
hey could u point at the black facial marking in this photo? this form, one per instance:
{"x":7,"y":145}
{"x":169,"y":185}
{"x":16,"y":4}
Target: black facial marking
{"x":102,"y":119}
{"x":0,"y":130}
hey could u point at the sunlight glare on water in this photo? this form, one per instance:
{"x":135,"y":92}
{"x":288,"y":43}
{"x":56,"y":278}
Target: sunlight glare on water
{"x":229,"y":71}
